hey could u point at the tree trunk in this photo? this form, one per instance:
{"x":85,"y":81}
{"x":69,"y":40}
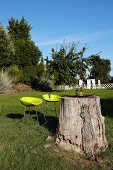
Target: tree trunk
{"x":81,"y":125}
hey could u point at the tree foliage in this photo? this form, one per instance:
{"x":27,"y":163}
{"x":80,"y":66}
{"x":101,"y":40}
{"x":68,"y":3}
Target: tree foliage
{"x":7,"y":50}
{"x":100,"y":68}
{"x":28,"y":55}
{"x":19,"y":29}
{"x":66,"y":64}
{"x":82,"y":64}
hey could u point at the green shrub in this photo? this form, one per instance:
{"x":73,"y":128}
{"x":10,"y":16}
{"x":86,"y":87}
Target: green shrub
{"x":32,"y":74}
{"x":28,"y":74}
{"x":42,"y":84}
{"x":6,"y":81}
{"x":15,"y":72}
{"x":7,"y":50}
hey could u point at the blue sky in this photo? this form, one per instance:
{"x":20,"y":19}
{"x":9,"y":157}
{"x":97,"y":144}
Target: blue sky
{"x":87,"y":21}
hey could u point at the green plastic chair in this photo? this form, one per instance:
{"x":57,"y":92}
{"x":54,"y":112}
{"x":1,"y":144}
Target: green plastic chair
{"x":29,"y":102}
{"x":51,"y":98}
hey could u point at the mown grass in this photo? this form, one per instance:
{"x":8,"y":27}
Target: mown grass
{"x":24,"y":145}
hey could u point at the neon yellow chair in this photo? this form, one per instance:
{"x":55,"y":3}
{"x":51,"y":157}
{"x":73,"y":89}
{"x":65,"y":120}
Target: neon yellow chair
{"x":29,"y":102}
{"x":51,"y":98}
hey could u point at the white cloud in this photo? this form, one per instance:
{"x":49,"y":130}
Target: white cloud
{"x":83,"y":38}
{"x":51,"y":42}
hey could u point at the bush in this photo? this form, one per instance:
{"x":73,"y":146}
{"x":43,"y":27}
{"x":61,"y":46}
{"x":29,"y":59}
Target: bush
{"x":32,"y":74}
{"x":15,"y":72}
{"x":6,"y":81}
{"x":7,"y":50}
{"x":28,"y":74}
{"x":42,"y":84}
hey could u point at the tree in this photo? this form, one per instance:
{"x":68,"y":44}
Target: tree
{"x":41,"y":68}
{"x":82,"y":64}
{"x":19,"y":29}
{"x":7,"y":50}
{"x":24,"y":46}
{"x":66,"y":64}
{"x":27,"y":54}
{"x":106,"y":70}
{"x":100,"y":68}
{"x":81,"y":126}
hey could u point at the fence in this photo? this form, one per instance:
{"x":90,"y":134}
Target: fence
{"x":106,"y":86}
{"x":102,"y":86}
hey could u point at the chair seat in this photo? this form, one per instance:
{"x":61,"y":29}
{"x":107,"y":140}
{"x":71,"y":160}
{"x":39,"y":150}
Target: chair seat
{"x":30,"y":101}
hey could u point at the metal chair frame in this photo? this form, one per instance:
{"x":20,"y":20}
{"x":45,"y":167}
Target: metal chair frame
{"x":51,"y":98}
{"x":29,"y":102}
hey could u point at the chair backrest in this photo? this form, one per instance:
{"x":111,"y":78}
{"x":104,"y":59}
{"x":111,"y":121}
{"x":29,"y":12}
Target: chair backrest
{"x":51,"y":97}
{"x":55,"y":97}
{"x":46,"y":96}
{"x":36,"y":101}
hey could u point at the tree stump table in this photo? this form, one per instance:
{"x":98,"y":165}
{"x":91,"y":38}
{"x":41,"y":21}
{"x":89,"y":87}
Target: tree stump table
{"x":81,"y":125}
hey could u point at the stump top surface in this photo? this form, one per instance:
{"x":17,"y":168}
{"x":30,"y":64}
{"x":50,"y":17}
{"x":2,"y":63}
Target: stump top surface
{"x":80,"y":97}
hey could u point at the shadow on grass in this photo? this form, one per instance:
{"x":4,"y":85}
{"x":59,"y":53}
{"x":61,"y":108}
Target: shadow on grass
{"x":52,"y":124}
{"x":107,"y":107}
{"x":15,"y":116}
{"x":20,"y":116}
{"x":49,"y":122}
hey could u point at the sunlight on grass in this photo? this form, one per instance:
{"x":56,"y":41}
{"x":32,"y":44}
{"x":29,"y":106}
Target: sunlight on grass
{"x":24,"y":145}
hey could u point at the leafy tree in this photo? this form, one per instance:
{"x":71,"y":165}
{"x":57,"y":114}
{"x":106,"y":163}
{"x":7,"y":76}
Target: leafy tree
{"x":106,"y":70}
{"x":100,"y":68}
{"x":6,"y":48}
{"x":82,"y":64}
{"x":66,"y":64}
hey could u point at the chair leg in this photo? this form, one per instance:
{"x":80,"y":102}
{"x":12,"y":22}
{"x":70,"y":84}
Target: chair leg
{"x":24,"y":111}
{"x":44,"y":114}
{"x":55,"y":109}
{"x":29,"y":110}
{"x":37,"y":117}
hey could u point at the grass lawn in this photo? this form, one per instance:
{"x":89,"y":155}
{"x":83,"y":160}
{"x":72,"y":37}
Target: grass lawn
{"x":24,"y":146}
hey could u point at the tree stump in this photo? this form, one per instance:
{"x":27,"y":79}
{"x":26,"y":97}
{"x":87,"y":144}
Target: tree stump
{"x":81,"y":125}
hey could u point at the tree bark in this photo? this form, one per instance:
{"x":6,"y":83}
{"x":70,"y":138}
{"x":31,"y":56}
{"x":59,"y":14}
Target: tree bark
{"x":81,"y":125}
